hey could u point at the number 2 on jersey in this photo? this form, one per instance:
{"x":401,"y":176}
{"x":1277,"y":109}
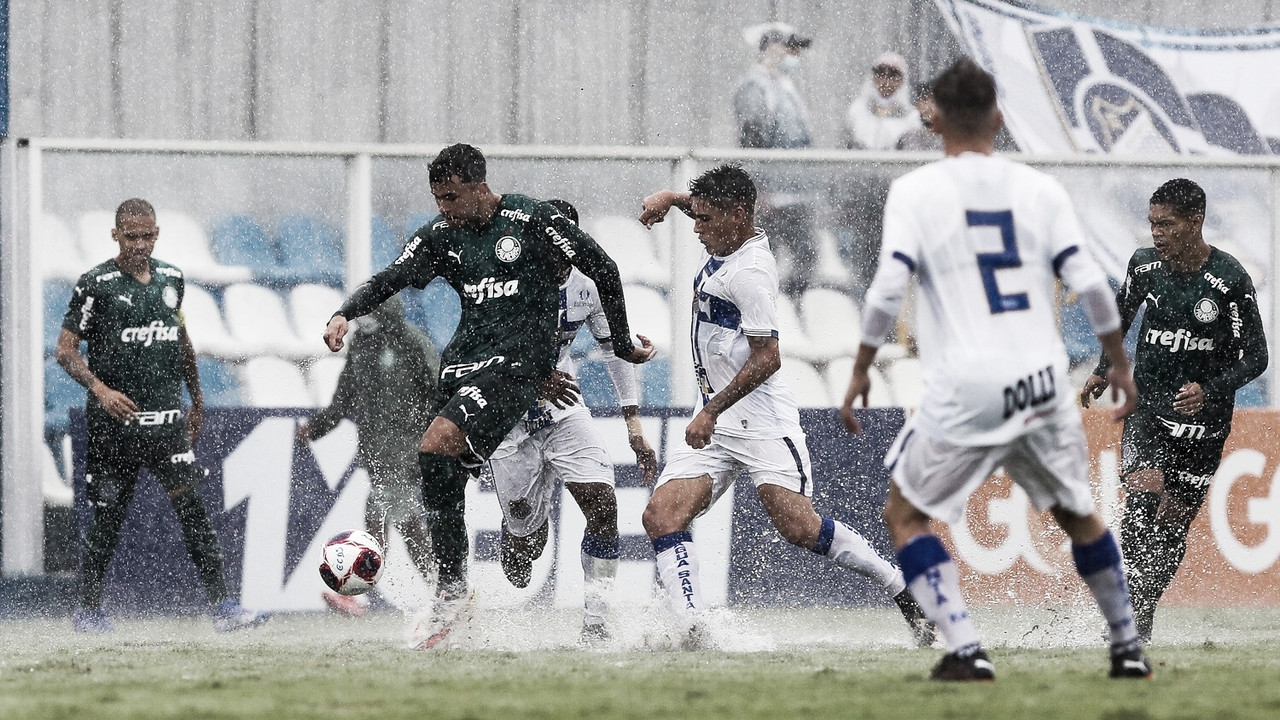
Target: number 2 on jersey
{"x":989,"y":263}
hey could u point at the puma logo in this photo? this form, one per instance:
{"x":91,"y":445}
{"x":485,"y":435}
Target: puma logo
{"x":466,"y":415}
{"x":1155,"y":300}
{"x":456,"y":255}
{"x":126,"y":299}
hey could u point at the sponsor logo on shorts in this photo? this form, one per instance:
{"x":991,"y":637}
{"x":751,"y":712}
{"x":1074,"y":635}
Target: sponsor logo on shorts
{"x":1031,"y":391}
{"x":1189,"y":431}
{"x":458,"y":370}
{"x":491,"y":287}
{"x":148,"y":418}
{"x":1178,"y":340}
{"x":157,"y":331}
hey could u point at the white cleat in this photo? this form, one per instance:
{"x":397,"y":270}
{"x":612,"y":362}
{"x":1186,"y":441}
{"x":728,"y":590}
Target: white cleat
{"x":435,"y":624}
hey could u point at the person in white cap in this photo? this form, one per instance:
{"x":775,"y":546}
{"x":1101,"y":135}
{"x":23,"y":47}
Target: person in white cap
{"x":882,"y":112}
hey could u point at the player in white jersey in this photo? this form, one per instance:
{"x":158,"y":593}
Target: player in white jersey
{"x":986,"y":237}
{"x":557,"y":442}
{"x":747,"y":419}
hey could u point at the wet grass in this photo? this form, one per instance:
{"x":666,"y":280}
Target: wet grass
{"x":1219,"y":665}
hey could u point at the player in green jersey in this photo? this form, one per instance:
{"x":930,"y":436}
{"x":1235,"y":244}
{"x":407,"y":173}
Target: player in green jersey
{"x":128,"y":310}
{"x":1201,"y":340}
{"x":498,"y":254}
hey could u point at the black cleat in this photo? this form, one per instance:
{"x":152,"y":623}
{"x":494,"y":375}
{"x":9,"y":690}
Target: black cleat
{"x":972,"y":667}
{"x":1131,"y":663}
{"x":923,"y":631}
{"x":594,"y":634}
{"x":516,"y":554}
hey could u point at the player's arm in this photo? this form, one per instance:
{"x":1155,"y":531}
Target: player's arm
{"x":655,"y":207}
{"x":1252,"y":345}
{"x":763,"y":361}
{"x":340,"y":406}
{"x":80,"y":318}
{"x":623,"y":376}
{"x":587,"y":255}
{"x":1128,"y":299}
{"x":191,"y":376}
{"x":415,"y":266}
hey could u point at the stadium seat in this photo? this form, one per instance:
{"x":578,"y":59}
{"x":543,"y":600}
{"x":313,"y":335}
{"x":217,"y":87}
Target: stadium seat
{"x":56,"y":295}
{"x":239,"y":240}
{"x":183,"y":242}
{"x":322,"y":377}
{"x":655,"y":382}
{"x":310,"y":250}
{"x":436,"y":310}
{"x":218,"y":383}
{"x":831,"y":321}
{"x":831,"y":270}
{"x":56,"y":249}
{"x":257,"y":320}
{"x":805,"y":382}
{"x":386,"y":245}
{"x":310,"y":307}
{"x":793,"y":341}
{"x":649,"y":315}
{"x":597,"y":388}
{"x":415,"y":221}
{"x":837,"y":375}
{"x":61,"y":393}
{"x":904,"y":377}
{"x":270,"y":381}
{"x":204,"y":323}
{"x":632,"y":247}
{"x":56,"y":490}
{"x":93,"y":230}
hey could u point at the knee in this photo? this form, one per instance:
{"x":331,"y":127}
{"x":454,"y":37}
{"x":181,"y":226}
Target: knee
{"x":660,"y":518}
{"x":798,"y":533}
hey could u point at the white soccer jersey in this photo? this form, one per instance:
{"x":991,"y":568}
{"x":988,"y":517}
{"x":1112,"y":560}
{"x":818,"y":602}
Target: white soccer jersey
{"x":580,"y":305}
{"x":986,"y":237}
{"x":736,"y":297}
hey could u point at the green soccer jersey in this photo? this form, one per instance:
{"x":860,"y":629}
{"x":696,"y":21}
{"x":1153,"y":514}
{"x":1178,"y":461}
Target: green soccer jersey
{"x":506,"y":278}
{"x":133,"y":331}
{"x":1201,"y":326}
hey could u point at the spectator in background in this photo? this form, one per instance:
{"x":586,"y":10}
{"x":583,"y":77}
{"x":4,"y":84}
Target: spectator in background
{"x":923,"y":138}
{"x":771,"y":114}
{"x":882,"y":112}
{"x":387,"y":389}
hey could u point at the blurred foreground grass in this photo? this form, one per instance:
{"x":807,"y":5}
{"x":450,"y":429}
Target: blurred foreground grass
{"x":1215,"y":664}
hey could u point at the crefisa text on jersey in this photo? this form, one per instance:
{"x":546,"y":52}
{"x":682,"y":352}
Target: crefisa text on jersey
{"x":1030,"y":391}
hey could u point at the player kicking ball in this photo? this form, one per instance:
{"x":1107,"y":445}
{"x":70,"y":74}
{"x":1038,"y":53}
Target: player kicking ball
{"x":747,"y":420}
{"x":557,"y":442}
{"x":986,"y":237}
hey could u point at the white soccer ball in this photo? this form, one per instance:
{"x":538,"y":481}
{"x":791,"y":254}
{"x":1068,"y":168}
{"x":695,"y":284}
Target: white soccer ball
{"x":351,"y":562}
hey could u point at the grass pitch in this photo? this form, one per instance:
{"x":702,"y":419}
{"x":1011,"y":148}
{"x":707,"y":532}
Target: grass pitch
{"x":525,"y":664}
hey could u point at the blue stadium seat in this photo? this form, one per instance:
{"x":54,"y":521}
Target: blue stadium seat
{"x":56,"y":296}
{"x":218,"y":382}
{"x":655,"y":390}
{"x":1255,"y":394}
{"x":436,"y":310}
{"x":415,"y":221}
{"x":239,"y":240}
{"x":310,"y":250}
{"x":597,"y":388}
{"x":386,"y":245}
{"x":61,"y":393}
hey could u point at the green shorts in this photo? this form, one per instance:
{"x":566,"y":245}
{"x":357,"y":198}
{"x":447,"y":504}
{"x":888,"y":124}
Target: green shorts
{"x":1188,"y":454}
{"x":486,"y":404}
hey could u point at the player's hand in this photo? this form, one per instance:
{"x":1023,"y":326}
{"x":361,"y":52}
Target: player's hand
{"x":859,"y":387}
{"x":698,"y":434}
{"x":1093,"y":389}
{"x":655,"y":208}
{"x":561,"y":389}
{"x":334,"y":332}
{"x":117,"y":404}
{"x":1190,"y":399}
{"x":1120,"y":380}
{"x":646,"y":458}
{"x":195,"y":422}
{"x":644,"y":353}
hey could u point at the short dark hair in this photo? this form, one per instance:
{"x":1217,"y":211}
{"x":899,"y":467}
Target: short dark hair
{"x":725,"y":187}
{"x":966,"y":96}
{"x":134,"y":207}
{"x":463,"y":160}
{"x":1184,"y":196}
{"x":566,"y":209}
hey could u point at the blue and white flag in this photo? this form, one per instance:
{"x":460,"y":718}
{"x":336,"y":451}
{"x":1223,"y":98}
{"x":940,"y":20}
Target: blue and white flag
{"x":1071,"y":84}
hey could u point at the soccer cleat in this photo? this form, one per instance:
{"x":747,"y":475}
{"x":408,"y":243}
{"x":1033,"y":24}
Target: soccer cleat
{"x":697,"y":637}
{"x":594,"y":634}
{"x":231,"y":616}
{"x":923,"y":631}
{"x":348,"y":605}
{"x":516,"y":565}
{"x":92,"y":621}
{"x":972,"y":667}
{"x":1131,"y":663}
{"x":448,"y":613}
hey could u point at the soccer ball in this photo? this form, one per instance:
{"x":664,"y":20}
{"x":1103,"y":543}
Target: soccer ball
{"x":351,"y":562}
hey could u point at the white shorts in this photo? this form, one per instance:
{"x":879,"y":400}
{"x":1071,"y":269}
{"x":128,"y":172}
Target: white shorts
{"x":526,"y":468}
{"x":780,"y":461}
{"x":1051,"y":464}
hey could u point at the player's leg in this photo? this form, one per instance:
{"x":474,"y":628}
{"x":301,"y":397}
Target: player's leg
{"x":444,"y":486}
{"x":110,"y":478}
{"x":399,"y":505}
{"x":599,"y":553}
{"x":174,"y":466}
{"x":524,"y":487}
